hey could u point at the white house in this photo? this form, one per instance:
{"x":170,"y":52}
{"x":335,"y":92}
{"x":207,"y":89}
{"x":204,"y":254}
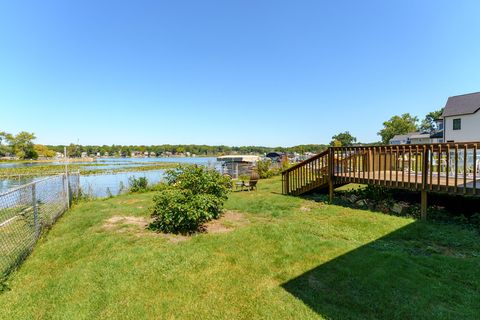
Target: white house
{"x":462,"y":118}
{"x":401,"y":139}
{"x":420,"y":138}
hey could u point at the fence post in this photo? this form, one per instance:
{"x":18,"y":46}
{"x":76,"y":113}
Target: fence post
{"x":67,"y":186}
{"x":36,"y":220}
{"x":65,"y":193}
{"x":78,"y":184}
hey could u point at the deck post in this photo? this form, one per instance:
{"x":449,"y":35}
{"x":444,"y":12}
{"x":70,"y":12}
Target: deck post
{"x":425,"y":170}
{"x":330,"y":173}
{"x":287,"y":183}
{"x":423,"y":206}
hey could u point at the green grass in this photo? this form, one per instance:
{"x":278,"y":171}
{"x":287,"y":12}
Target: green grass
{"x":295,"y":259}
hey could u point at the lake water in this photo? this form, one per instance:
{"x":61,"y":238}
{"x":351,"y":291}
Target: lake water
{"x":101,"y":185}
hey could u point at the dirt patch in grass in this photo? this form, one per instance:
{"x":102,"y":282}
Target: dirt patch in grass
{"x":117,"y":223}
{"x":131,"y":201}
{"x":229,"y":221}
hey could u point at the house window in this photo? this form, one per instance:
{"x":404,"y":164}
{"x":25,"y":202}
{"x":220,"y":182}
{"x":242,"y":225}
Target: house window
{"x":457,"y":124}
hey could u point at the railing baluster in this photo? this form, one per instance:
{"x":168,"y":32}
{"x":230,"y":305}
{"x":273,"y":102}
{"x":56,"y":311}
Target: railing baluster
{"x":396,"y":166}
{"x":390,"y":159}
{"x":349,"y":164}
{"x":447,"y":172}
{"x":363,"y":156}
{"x":475,"y":169}
{"x":353,"y":154}
{"x":416,"y":167}
{"x":409,"y":165}
{"x":373,"y":164}
{"x":456,"y":169}
{"x":439,"y":165}
{"x":465,"y":154}
{"x":385,"y":166}
{"x":403,"y":166}
{"x":430,"y":168}
{"x":379,"y":165}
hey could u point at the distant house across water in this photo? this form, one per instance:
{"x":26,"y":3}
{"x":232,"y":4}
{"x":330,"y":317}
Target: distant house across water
{"x":275,"y":156}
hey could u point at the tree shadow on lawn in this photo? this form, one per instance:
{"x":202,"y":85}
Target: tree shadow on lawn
{"x":421,"y":271}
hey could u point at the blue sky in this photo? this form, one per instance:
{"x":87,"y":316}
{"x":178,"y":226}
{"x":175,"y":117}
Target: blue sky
{"x":233,"y":72}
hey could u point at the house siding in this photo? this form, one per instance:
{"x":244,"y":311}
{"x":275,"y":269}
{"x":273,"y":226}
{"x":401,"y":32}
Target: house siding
{"x":470,"y":128}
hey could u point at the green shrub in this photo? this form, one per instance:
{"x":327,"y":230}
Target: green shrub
{"x":191,"y":196}
{"x":138,"y":184}
{"x":263,"y":168}
{"x":266,"y":170}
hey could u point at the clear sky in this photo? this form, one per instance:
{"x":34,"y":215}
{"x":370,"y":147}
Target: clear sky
{"x":236,"y":72}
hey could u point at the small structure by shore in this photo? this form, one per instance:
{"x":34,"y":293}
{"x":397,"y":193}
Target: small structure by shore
{"x":237,"y":165}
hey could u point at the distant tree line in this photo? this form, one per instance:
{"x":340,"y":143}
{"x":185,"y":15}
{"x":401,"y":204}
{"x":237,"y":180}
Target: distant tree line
{"x":76,"y":150}
{"x":22,"y":146}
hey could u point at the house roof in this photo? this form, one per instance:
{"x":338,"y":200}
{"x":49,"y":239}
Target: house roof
{"x":238,"y":158}
{"x":420,"y":136}
{"x":400,"y":137}
{"x":463,"y":104}
{"x":274,"y":154}
{"x":404,"y":136}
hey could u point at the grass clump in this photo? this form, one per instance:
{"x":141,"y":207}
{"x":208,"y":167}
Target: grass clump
{"x":138,"y":184}
{"x":191,"y":196}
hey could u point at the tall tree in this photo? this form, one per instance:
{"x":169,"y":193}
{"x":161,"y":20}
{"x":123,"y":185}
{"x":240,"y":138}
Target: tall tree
{"x":22,"y":145}
{"x":44,"y":151}
{"x":343,"y":139}
{"x":403,"y":124}
{"x":429,"y":124}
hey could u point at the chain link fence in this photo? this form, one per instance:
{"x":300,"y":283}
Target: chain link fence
{"x":27,"y":210}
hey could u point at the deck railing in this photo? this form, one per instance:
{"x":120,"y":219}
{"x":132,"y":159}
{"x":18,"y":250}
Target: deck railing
{"x":306,"y":175}
{"x":441,"y":167}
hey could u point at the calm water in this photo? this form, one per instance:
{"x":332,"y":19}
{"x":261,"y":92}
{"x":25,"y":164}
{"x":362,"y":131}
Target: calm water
{"x":102,"y":184}
{"x":111,"y":163}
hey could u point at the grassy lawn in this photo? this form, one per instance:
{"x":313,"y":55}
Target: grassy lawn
{"x":285,"y":258}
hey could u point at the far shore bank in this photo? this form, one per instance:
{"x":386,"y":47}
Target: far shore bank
{"x":90,"y":159}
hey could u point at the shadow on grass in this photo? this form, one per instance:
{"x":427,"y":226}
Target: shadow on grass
{"x":422,"y":271}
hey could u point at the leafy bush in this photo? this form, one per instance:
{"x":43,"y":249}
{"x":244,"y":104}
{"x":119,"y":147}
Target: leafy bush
{"x":138,"y":184}
{"x":266,"y":170}
{"x":191,"y":196}
{"x":263,"y":168}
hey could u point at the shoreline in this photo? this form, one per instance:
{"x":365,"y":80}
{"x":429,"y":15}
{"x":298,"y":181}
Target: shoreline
{"x":94,"y":159}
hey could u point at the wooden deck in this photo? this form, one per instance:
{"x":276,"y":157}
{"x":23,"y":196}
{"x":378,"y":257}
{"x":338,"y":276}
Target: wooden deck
{"x":445,"y":168}
{"x":412,"y":181}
